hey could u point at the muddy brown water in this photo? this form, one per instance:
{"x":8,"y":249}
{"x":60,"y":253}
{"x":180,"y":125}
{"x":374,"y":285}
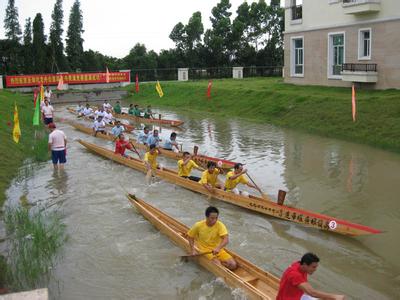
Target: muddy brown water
{"x":114,"y":253}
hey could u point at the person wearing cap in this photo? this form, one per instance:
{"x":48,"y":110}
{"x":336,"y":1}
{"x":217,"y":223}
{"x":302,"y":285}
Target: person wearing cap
{"x":117,"y":129}
{"x":236,"y":176}
{"x":99,"y":126}
{"x":143,"y":136}
{"x":57,"y":145}
{"x":185,"y":166}
{"x":171,"y":144}
{"x":117,"y":108}
{"x":294,"y":283}
{"x":209,"y":178}
{"x":48,"y":112}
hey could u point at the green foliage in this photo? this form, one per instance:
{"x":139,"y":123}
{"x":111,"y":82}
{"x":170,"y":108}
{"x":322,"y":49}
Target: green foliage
{"x":74,"y":47}
{"x":11,"y":23}
{"x":320,"y":110}
{"x":34,"y":241}
{"x":39,"y":45}
{"x":27,"y":47}
{"x":56,"y":44}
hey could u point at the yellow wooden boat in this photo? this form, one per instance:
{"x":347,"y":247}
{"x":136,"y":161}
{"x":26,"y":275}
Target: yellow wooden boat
{"x":264,"y":206}
{"x":173,"y":123}
{"x":199,"y":159}
{"x":256,"y":283}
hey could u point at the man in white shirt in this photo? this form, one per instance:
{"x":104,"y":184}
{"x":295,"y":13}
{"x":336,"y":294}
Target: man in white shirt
{"x":48,"y":112}
{"x":57,"y":146}
{"x":117,"y":129}
{"x":87,"y":111}
{"x":106,"y":105}
{"x":143,"y":136}
{"x":99,"y":126}
{"x":108,"y":117}
{"x":99,"y":112}
{"x":47,"y":94}
{"x":79,"y":108}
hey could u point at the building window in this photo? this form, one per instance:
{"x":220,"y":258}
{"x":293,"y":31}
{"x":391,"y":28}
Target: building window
{"x":336,"y":53}
{"x":364,"y":44}
{"x":297,"y":65}
{"x":297,"y":9}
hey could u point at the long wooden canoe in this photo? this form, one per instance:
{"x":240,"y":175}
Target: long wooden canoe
{"x":73,"y":111}
{"x":173,"y":123}
{"x":256,"y":283}
{"x":199,"y":159}
{"x":264,"y":206}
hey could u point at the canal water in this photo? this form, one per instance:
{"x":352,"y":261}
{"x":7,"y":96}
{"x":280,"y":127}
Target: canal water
{"x":114,"y":253}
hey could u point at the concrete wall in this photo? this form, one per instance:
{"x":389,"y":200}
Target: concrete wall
{"x":318,"y":14}
{"x":385,"y":45}
{"x":75,"y":97}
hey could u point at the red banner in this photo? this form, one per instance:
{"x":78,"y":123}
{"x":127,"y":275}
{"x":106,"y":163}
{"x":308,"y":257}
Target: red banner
{"x":70,"y":78}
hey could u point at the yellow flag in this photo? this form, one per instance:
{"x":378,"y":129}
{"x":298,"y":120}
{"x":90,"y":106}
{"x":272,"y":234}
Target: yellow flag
{"x":16,"y":129}
{"x":159,"y":89}
{"x":41,"y":92}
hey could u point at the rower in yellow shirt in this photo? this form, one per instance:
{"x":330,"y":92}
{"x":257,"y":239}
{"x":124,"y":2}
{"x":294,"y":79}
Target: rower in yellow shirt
{"x":211,"y":235}
{"x":150,"y":158}
{"x":209,"y":178}
{"x":185,"y":166}
{"x":233,"y":178}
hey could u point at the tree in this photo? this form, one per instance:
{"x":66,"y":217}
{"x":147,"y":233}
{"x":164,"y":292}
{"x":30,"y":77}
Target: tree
{"x":74,"y":47}
{"x":58,"y":60}
{"x":39,"y":45}
{"x":27,"y":48}
{"x":11,"y":24}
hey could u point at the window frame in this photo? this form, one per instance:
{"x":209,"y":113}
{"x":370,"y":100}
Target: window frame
{"x":293,"y":57}
{"x":330,"y":54}
{"x":361,"y":44}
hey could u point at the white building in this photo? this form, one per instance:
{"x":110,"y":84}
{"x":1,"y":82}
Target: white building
{"x":337,"y":42}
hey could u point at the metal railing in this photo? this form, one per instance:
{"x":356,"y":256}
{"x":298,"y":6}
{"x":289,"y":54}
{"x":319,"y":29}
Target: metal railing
{"x":359,"y":67}
{"x":297,"y":12}
{"x":355,"y":2}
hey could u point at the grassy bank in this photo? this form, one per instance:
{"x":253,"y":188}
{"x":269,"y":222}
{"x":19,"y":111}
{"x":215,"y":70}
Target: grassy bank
{"x":12,"y":154}
{"x":320,"y":110}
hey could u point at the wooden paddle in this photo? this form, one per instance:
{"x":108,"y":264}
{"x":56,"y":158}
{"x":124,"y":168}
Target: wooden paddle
{"x":255,"y":184}
{"x":186,"y":258}
{"x":137,"y":152}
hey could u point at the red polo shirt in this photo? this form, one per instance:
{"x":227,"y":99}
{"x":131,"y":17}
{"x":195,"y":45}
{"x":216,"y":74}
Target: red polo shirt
{"x":291,"y":278}
{"x":121,"y":146}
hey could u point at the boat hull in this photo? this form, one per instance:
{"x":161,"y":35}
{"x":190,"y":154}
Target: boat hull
{"x":256,"y":283}
{"x":172,"y":123}
{"x":253,"y":203}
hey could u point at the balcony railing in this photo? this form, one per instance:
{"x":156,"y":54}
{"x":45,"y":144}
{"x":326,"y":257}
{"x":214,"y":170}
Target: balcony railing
{"x":297,"y":12}
{"x":356,"y":7}
{"x":360,"y":1}
{"x":360,"y":67}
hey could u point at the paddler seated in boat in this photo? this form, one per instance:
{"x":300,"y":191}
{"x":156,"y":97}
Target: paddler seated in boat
{"x":154,"y":138}
{"x":100,"y":112}
{"x":79,"y":109}
{"x":171,"y":144}
{"x":108,"y":117}
{"x":121,"y":145}
{"x":150,"y":158}
{"x":185,"y":166}
{"x":209,"y":178}
{"x":233,"y":178}
{"x":130,"y":110}
{"x":211,"y":235}
{"x":99,"y":126}
{"x":294,"y":283}
{"x":117,"y":129}
{"x":143,"y":136}
{"x":148,"y":112}
{"x":88,"y":111}
{"x":117,"y":108}
{"x":136,"y":111}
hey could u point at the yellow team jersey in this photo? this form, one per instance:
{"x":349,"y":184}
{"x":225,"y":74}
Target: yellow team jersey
{"x":206,"y":177}
{"x":184,"y":170}
{"x":207,"y":238}
{"x":151,"y":159}
{"x":230,"y":184}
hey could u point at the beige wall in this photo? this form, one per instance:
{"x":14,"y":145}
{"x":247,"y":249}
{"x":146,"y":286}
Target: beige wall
{"x":385,"y":52}
{"x":319,"y":14}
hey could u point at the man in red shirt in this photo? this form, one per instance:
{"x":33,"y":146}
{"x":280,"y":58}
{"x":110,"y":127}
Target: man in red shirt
{"x":294,"y":282}
{"x":121,"y":144}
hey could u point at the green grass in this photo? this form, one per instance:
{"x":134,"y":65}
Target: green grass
{"x":31,"y":145}
{"x":319,"y":110}
{"x":34,"y":241}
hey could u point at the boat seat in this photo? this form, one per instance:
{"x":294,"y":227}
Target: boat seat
{"x":244,"y":275}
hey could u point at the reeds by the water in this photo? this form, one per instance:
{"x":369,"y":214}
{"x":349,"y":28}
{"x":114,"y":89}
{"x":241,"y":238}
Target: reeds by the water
{"x":34,"y":243}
